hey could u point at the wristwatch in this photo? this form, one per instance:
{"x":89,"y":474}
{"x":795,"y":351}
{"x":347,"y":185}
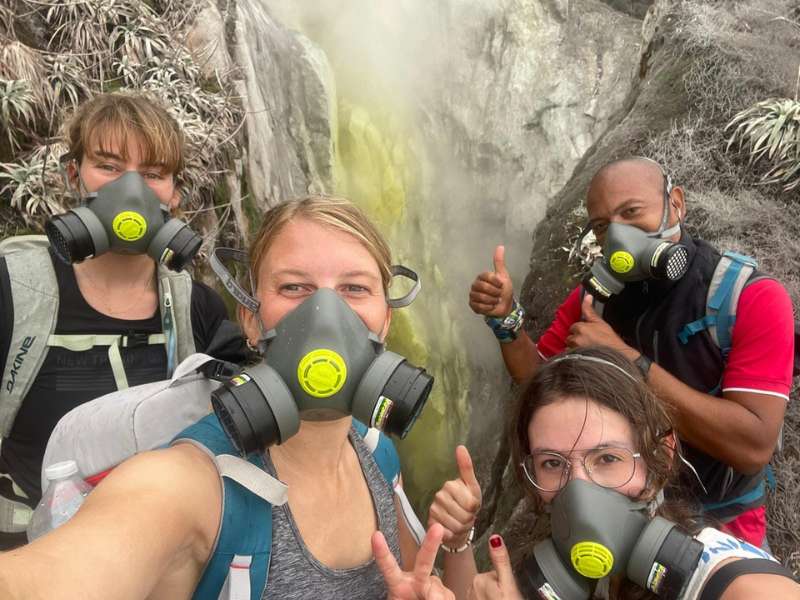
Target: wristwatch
{"x":643,"y":364}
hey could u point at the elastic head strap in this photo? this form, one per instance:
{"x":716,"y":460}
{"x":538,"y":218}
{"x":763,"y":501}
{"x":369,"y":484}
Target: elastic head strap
{"x":595,"y":359}
{"x":63,"y":160}
{"x":403,"y":301}
{"x":579,"y":242}
{"x":228,"y":280}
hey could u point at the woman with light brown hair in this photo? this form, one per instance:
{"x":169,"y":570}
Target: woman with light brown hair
{"x":93,"y":311}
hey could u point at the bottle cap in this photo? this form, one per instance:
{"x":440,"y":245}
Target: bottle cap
{"x":61,"y":470}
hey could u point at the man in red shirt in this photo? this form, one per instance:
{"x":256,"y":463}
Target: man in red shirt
{"x":729,"y":431}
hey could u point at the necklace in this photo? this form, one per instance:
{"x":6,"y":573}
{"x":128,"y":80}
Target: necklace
{"x":110,"y":310}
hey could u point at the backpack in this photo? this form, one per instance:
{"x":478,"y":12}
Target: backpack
{"x":239,"y":566}
{"x":102,"y":433}
{"x":34,"y":289}
{"x":733,"y":273}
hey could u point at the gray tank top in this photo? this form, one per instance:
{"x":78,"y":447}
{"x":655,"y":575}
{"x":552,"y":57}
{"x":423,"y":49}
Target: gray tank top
{"x":294,"y":573}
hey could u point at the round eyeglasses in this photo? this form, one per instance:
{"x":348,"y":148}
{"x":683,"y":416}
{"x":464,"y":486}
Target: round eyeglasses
{"x":609,"y":467}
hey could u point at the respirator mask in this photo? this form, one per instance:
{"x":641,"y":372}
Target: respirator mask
{"x":630,"y":254}
{"x":321,"y":363}
{"x":125,"y":214}
{"x":598,"y":532}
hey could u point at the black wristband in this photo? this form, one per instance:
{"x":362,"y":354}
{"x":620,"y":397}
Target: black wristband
{"x":643,"y":364}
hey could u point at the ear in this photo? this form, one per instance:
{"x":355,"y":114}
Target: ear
{"x":249,"y":324}
{"x":385,"y":329}
{"x":72,"y":177}
{"x":175,"y":201}
{"x":677,"y":204}
{"x":668,"y":445}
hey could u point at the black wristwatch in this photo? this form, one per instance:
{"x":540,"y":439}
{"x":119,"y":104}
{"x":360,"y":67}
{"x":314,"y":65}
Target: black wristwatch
{"x":643,"y":364}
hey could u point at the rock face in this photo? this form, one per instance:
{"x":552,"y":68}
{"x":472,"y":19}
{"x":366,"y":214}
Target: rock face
{"x":440,"y":119}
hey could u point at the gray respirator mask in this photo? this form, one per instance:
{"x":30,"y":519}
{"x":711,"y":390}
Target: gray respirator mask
{"x":631,"y":254}
{"x":598,"y":532}
{"x":321,"y":363}
{"x":124,"y":216}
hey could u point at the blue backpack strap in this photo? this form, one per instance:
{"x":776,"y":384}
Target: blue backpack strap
{"x":385,"y":455}
{"x":246,"y":528}
{"x":728,"y":281}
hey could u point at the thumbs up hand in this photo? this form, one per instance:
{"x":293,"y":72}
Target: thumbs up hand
{"x":456,"y":505}
{"x":492,"y":292}
{"x":593,"y":330}
{"x":499,"y":584}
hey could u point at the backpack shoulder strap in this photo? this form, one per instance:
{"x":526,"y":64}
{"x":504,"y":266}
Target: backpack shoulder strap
{"x":239,"y":565}
{"x":385,"y":455}
{"x":725,"y":575}
{"x":34,"y":290}
{"x":729,"y":279}
{"x":175,"y":301}
{"x":383,"y":451}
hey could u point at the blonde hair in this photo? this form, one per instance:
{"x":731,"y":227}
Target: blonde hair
{"x":124,"y":117}
{"x":329,"y":211}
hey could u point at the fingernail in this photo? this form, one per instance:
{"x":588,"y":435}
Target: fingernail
{"x":495,"y":541}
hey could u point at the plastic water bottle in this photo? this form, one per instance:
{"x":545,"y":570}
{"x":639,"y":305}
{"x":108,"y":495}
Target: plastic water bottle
{"x":62,"y":499}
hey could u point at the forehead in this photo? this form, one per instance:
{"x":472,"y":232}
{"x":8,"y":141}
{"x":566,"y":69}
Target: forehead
{"x":318,"y":250}
{"x":577,"y":422}
{"x":623,"y":182}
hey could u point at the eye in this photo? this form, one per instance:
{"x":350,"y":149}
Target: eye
{"x":152,"y":176}
{"x":354,"y":288}
{"x":608,"y":458}
{"x":551,"y":463}
{"x":109,"y":168}
{"x":632,"y":211}
{"x":599,"y":227}
{"x":294,"y":289}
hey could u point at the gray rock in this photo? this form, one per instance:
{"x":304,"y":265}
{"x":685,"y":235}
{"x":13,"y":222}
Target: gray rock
{"x":206,"y":41}
{"x":290,"y":103}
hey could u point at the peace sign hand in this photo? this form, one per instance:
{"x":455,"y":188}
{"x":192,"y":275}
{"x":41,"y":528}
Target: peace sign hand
{"x":417,"y":584}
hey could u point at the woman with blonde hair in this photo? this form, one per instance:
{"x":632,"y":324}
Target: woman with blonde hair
{"x":154,"y":528}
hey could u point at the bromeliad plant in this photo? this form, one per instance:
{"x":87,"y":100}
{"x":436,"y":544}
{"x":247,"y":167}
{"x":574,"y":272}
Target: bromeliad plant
{"x":56,"y":53}
{"x":772,"y":129}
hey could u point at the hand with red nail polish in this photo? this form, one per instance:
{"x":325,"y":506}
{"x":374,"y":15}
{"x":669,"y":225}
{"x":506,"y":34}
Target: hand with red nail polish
{"x":499,"y":584}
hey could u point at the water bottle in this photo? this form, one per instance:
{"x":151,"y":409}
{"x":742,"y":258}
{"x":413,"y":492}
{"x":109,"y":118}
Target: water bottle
{"x":62,"y":498}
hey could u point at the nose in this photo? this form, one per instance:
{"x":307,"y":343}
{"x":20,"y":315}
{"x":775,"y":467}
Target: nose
{"x":578,"y":470}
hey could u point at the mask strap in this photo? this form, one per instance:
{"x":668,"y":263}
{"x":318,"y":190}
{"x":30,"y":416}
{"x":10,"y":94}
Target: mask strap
{"x":402,"y":302}
{"x":228,"y":280}
{"x":592,"y":359}
{"x":653,"y":505}
{"x":576,"y":250}
{"x":62,"y":169}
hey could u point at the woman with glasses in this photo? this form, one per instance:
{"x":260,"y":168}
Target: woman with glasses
{"x":587,"y":424}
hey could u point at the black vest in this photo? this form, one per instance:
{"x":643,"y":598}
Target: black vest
{"x":648,"y":315}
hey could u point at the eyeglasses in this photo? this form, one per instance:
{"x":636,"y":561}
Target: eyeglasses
{"x":609,"y":467}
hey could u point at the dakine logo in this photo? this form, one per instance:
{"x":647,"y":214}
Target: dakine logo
{"x":18,"y":360}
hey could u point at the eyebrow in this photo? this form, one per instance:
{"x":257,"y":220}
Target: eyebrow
{"x":609,"y":444}
{"x":304,"y":273}
{"x":113,"y":156}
